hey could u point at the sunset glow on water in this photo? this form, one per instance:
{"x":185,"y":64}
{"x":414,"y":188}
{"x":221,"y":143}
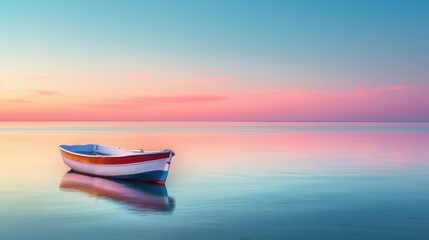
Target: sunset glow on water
{"x":228,"y":180}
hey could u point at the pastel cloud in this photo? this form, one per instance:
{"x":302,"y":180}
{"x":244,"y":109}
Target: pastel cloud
{"x":39,"y":77}
{"x":358,"y":92}
{"x":217,"y":79}
{"x":392,"y":88}
{"x":15,"y":101}
{"x":89,"y":76}
{"x":383,"y":103}
{"x":376,"y":91}
{"x":40,"y":92}
{"x":144,"y":101}
{"x":25,"y":97}
{"x":201,"y":81}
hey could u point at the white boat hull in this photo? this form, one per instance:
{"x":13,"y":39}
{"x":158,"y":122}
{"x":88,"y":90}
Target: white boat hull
{"x":150,"y":167}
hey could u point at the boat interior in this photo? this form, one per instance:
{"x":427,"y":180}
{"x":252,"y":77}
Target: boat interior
{"x":95,"y":149}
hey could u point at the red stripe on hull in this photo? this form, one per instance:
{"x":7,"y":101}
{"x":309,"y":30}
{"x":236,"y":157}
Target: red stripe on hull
{"x":115,"y":160}
{"x":159,"y":182}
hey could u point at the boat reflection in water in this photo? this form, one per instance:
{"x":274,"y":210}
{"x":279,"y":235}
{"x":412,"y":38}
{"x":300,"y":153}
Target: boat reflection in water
{"x":139,"y":196}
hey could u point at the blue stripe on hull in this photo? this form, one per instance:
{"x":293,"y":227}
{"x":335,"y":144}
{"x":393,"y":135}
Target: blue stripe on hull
{"x":147,"y":176}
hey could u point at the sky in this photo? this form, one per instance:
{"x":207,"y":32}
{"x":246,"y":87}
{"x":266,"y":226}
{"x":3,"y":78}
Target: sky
{"x":223,"y":60}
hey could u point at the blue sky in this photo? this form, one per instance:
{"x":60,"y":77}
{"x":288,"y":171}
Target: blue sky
{"x":303,"y":44}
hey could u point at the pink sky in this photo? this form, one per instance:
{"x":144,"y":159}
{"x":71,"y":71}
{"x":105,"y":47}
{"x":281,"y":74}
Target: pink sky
{"x":205,"y":99}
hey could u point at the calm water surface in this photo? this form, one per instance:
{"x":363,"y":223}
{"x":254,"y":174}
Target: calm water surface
{"x":227,"y":181}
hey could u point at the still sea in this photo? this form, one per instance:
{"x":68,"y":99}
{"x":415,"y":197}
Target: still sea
{"x":227,"y":181}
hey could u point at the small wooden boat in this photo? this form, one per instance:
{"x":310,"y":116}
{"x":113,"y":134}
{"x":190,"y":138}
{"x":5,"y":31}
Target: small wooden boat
{"x":137,"y":195}
{"x":114,"y":162}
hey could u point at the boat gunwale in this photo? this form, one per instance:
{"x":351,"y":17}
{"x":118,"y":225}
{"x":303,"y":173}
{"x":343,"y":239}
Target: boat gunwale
{"x":113,"y":156}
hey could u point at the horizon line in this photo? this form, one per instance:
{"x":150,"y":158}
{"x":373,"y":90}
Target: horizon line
{"x":226,"y":121}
